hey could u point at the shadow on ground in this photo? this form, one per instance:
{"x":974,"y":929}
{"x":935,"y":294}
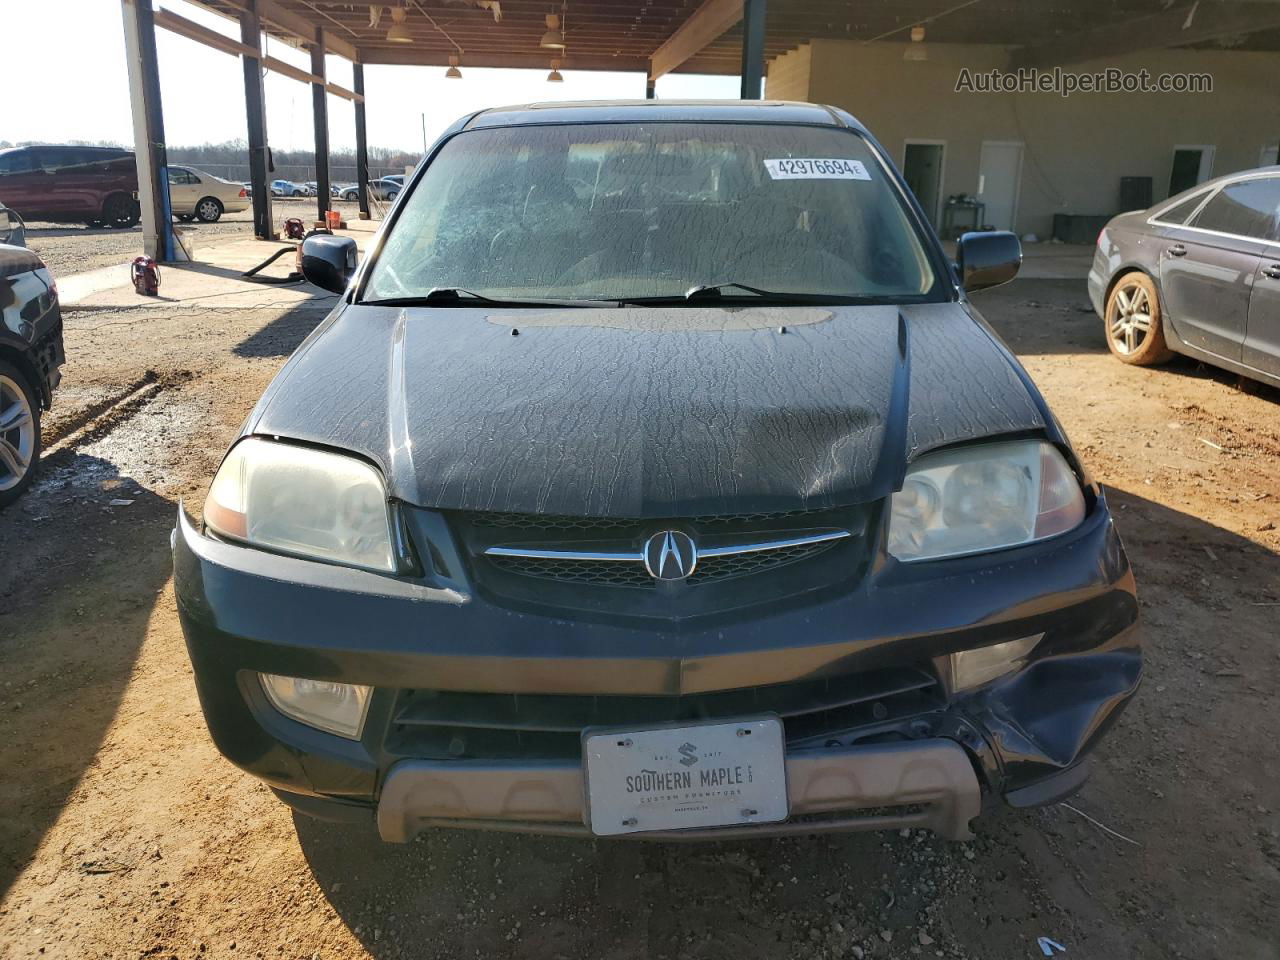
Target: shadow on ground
{"x":1055,"y":317}
{"x":78,"y":582}
{"x":1175,"y":760}
{"x":281,"y":336}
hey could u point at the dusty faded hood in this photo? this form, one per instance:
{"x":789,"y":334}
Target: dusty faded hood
{"x":646,"y":412}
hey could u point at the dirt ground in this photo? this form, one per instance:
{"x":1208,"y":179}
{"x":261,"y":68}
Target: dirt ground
{"x":126,"y":835}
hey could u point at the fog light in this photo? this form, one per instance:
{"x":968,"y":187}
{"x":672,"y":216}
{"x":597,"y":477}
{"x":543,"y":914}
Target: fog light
{"x":972,"y":668}
{"x":333,"y":707}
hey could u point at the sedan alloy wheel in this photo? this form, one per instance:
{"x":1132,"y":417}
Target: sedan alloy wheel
{"x":17,"y":433}
{"x":1129,"y":322}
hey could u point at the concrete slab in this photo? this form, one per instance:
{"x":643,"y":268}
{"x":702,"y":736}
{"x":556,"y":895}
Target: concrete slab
{"x":216,"y":275}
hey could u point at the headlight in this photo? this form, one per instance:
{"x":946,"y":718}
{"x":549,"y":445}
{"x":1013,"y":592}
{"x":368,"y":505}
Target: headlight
{"x":333,"y":707}
{"x":979,"y":498}
{"x":302,"y":501}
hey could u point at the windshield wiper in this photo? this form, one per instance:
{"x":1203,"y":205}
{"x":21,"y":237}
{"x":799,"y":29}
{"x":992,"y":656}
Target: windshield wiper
{"x":710,"y":291}
{"x":457,"y":296}
{"x":715,"y":292}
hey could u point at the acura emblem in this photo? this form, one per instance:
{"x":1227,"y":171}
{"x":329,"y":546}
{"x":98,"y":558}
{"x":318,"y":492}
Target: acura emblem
{"x":670,"y":555}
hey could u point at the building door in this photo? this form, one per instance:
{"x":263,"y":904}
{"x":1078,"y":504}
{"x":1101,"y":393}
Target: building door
{"x":999,"y":175}
{"x":1191,"y":165}
{"x":922,"y":169}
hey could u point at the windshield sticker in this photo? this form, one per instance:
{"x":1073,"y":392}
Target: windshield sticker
{"x":817,"y":169}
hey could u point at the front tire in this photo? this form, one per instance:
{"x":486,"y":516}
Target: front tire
{"x":19,"y":433}
{"x":391,"y":195}
{"x":209,"y":210}
{"x":1133,"y":324}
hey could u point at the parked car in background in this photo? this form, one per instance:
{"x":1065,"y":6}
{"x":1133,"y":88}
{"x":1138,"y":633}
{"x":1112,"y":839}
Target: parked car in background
{"x":386,"y":188}
{"x":698,"y":504}
{"x":31,"y":358}
{"x":1198,"y":274}
{"x":194,"y":194}
{"x":68,"y":184}
{"x":287,"y":188}
{"x":311,"y":188}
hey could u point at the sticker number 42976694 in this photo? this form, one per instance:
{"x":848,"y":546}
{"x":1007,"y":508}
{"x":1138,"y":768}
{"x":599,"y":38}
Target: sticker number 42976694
{"x":816,"y":169}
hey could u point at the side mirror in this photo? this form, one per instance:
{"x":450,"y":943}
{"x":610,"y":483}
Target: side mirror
{"x":328,"y":261}
{"x":987,"y":259}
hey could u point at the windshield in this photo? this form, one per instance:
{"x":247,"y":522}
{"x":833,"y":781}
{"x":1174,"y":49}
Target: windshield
{"x":639,"y":210}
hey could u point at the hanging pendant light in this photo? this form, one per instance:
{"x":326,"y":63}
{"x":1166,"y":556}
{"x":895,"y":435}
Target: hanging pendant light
{"x":398,"y":32}
{"x":916,"y":50}
{"x":554,"y":76}
{"x":453,"y":73}
{"x":554,"y":37}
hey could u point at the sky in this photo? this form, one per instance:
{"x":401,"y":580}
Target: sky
{"x":71,"y":57}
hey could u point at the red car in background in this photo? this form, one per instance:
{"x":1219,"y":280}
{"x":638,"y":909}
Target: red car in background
{"x":67,"y":184}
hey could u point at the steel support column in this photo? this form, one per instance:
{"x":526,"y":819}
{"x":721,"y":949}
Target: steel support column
{"x":362,"y":146}
{"x":148,"y":129}
{"x":650,"y":90}
{"x":256,"y":113}
{"x":752,"y":49}
{"x":320,"y":108}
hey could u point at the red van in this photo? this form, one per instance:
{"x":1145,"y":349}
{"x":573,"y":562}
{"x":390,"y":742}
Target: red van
{"x":93,"y":185}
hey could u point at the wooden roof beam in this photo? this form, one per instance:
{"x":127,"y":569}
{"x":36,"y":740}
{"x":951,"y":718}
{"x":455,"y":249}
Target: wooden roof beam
{"x":286,"y":21}
{"x":704,"y":25}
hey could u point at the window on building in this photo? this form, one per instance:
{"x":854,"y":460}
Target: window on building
{"x":1247,"y":208}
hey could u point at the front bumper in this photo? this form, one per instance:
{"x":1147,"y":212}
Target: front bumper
{"x":1023,"y":738}
{"x":928,"y":784}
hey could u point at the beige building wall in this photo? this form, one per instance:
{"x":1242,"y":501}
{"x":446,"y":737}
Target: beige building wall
{"x":1076,"y":149}
{"x":789,"y":75}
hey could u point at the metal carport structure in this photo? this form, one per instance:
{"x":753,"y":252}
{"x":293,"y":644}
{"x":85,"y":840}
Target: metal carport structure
{"x":654,"y":37}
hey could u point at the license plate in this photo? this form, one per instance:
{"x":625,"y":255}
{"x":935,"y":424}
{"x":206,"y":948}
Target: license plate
{"x":675,"y":778}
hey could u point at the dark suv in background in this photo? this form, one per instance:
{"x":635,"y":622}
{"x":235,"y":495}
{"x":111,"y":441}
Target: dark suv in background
{"x":93,"y":185}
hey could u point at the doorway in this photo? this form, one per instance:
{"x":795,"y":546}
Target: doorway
{"x":999,"y":179}
{"x":922,"y":165}
{"x":1192,"y":164}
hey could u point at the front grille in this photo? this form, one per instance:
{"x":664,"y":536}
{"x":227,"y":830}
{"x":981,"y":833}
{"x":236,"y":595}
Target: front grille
{"x":552,"y":536}
{"x":442,"y":724}
{"x":601,"y":572}
{"x":711,"y":569}
{"x":521,"y":559}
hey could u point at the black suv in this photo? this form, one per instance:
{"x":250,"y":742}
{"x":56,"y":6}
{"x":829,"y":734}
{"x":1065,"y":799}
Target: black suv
{"x":30,"y":359}
{"x":654,"y":475}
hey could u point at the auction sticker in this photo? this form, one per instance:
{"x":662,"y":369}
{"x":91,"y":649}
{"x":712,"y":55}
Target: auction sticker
{"x":829,"y":168}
